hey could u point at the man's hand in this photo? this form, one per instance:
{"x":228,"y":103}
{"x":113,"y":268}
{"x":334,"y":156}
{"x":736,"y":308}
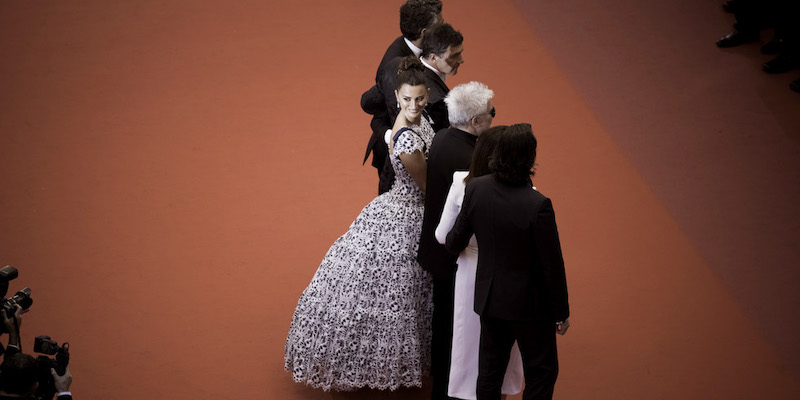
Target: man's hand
{"x":561,"y":327}
{"x":8,"y":321}
{"x":62,"y":382}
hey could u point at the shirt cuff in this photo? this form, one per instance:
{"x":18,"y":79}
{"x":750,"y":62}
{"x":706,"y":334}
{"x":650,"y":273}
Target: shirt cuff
{"x":387,"y":137}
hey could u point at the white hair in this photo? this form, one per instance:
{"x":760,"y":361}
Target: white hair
{"x":466,"y":101}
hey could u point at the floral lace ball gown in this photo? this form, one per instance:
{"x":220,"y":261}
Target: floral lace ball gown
{"x":365,"y":318}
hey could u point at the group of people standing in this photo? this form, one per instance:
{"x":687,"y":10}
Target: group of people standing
{"x":753,"y":16}
{"x":405,"y":292}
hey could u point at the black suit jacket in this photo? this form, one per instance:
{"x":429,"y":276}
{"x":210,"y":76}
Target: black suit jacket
{"x":436,"y":107}
{"x":451,"y":151}
{"x":520,"y":275}
{"x":398,"y":49}
{"x":372,"y":101}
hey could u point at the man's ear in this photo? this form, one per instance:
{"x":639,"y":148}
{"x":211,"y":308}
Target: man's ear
{"x":474,"y":121}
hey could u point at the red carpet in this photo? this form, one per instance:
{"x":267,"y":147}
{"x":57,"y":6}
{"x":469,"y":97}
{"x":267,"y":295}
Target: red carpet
{"x":173,"y":173}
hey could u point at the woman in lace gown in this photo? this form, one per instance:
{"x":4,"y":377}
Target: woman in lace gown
{"x":364,"y":320}
{"x":466,"y":323}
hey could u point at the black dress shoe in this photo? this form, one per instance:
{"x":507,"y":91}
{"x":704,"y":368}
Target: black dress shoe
{"x":780,"y":64}
{"x":774,"y":46}
{"x":795,"y":85}
{"x":736,"y":38}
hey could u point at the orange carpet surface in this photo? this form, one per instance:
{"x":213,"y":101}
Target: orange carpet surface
{"x":172,"y":174}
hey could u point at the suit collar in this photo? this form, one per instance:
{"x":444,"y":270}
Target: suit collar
{"x":464,"y":135}
{"x":434,"y":80}
{"x":442,"y":76}
{"x":414,"y":49}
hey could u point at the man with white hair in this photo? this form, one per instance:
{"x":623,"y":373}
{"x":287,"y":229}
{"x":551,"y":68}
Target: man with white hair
{"x":470,"y":112}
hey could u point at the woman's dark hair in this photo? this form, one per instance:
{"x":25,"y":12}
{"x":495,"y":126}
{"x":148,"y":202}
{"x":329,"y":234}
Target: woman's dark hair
{"x":410,"y":71}
{"x":484,"y":151}
{"x":515,"y":155}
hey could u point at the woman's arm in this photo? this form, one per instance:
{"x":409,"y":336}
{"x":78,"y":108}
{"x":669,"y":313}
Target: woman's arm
{"x":399,"y":123}
{"x":450,"y":212}
{"x":413,"y":162}
{"x":548,"y":247}
{"x":458,"y":238}
{"x":416,"y":166}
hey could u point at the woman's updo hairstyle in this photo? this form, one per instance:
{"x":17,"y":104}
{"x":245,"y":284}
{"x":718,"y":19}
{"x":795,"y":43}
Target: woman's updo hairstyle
{"x":410,"y":72}
{"x":515,"y":155}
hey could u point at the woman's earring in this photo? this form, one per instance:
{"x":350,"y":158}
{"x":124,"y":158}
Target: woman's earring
{"x":398,"y":105}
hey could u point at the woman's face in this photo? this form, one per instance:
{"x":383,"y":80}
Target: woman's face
{"x":412,"y":100}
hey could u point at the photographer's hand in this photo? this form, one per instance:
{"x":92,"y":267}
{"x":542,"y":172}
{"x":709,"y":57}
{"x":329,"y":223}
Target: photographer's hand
{"x":62,"y":382}
{"x":12,"y":325}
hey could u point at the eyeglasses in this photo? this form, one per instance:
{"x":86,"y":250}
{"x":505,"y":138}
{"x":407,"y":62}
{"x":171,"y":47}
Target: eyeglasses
{"x":491,"y":112}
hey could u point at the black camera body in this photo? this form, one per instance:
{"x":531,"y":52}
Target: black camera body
{"x":22,"y":297}
{"x":45,"y":345}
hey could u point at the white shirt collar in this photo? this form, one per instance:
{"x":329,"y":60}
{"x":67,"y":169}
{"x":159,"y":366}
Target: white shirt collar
{"x":416,"y":50}
{"x":441,"y":75}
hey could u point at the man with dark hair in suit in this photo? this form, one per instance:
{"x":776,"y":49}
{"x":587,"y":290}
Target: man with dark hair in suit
{"x":442,"y":48}
{"x":470,"y":111}
{"x":520,"y":286}
{"x":415,"y":17}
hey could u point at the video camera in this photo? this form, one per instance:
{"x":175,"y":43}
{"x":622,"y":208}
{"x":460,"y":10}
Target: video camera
{"x":23,"y":297}
{"x":44,"y":345}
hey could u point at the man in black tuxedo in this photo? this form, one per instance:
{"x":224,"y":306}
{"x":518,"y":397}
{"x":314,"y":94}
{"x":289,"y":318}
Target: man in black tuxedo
{"x":520,"y":287}
{"x":442,"y":48}
{"x":470,"y":113}
{"x":415,"y":17}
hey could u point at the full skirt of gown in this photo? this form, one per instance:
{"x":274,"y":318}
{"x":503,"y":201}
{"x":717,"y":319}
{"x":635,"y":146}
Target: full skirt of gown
{"x":365,"y":318}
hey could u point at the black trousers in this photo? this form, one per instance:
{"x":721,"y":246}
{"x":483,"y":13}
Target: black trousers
{"x":442,"y":341}
{"x":754,"y":15}
{"x":537,"y":344}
